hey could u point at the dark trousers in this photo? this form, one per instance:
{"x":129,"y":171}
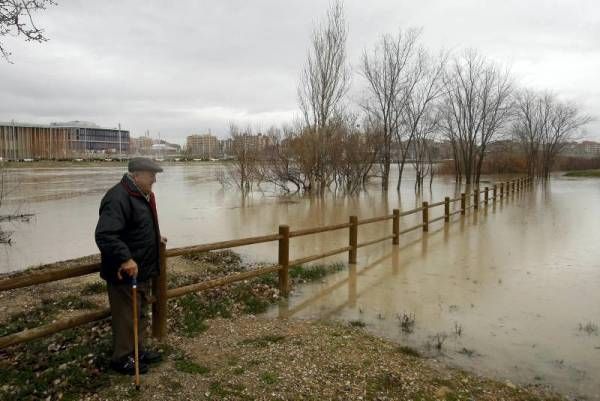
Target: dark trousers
{"x":121,"y":309}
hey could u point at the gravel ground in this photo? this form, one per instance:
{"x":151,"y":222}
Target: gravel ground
{"x":252,"y":358}
{"x":217,"y":348}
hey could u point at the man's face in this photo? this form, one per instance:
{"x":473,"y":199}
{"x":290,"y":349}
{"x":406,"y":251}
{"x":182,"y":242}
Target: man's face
{"x":144,"y":180}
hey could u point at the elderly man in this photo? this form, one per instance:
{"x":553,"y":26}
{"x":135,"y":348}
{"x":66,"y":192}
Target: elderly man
{"x":128,"y":237}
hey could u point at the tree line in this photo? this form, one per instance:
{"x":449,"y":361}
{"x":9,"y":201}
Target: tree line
{"x":412,"y":97}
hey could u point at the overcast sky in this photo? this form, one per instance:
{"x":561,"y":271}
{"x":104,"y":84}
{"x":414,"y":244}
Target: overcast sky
{"x":189,"y":66}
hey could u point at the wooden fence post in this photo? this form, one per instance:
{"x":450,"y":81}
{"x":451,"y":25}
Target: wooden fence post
{"x":501,"y":190}
{"x":353,"y":239}
{"x":396,"y":227}
{"x":284,"y":260}
{"x":447,"y":209}
{"x":425,"y":216}
{"x":494,"y":192}
{"x":476,"y":198}
{"x":159,"y":291}
{"x":486,"y":195}
{"x":463,"y":203}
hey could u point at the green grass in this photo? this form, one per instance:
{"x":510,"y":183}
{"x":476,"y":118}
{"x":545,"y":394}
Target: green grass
{"x":72,"y":363}
{"x":315,"y":272}
{"x":583,"y":173}
{"x":96,"y":287}
{"x":187,"y":366}
{"x":191,"y":322}
{"x":43,"y":314}
{"x":269,"y":377}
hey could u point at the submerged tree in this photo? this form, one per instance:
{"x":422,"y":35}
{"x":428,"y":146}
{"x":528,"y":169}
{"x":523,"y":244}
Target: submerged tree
{"x":324,"y":82}
{"x":390,"y":74}
{"x":543,"y":125}
{"x":421,"y":114}
{"x":476,"y":107}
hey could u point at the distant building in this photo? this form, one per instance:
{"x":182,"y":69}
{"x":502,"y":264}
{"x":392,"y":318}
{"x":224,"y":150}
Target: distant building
{"x":162,"y":148}
{"x":204,"y":146}
{"x":141,"y":145}
{"x":591,"y":148}
{"x":252,"y":143}
{"x":20,"y":141}
{"x":146,"y":146}
{"x":582,"y":149}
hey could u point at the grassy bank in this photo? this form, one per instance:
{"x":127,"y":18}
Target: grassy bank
{"x":218,"y":349}
{"x":583,"y":173}
{"x":74,"y":363}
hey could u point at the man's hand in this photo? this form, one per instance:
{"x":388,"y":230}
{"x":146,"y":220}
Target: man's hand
{"x":163,"y":240}
{"x":128,"y":267}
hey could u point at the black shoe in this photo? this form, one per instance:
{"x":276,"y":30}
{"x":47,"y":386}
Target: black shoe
{"x":127,"y":367}
{"x":150,"y":357}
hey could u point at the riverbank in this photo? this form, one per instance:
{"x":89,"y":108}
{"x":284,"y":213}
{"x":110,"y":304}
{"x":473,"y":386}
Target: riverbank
{"x":583,"y":173}
{"x":218,"y":348}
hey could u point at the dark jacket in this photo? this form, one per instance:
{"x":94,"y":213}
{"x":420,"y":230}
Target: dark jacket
{"x":128,"y":228}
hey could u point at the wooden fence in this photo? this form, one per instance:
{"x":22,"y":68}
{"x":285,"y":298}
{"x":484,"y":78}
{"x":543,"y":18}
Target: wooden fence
{"x":161,"y":294}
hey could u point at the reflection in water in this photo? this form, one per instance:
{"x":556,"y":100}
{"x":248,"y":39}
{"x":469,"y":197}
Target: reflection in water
{"x":515,"y":280}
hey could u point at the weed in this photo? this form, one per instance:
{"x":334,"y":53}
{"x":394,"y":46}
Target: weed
{"x":589,"y":328}
{"x":457,"y":329}
{"x":269,"y":378}
{"x":187,"y":366}
{"x":407,"y":322}
{"x":409,"y":351}
{"x":437,"y":341}
{"x":97,"y":287}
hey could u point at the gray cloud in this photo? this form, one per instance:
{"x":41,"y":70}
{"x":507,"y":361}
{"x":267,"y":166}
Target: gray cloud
{"x":184,"y":67}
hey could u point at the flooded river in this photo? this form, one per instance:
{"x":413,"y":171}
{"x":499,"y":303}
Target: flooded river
{"x":512,"y":291}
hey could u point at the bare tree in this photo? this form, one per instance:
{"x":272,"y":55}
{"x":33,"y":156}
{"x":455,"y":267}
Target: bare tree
{"x":421,"y":115}
{"x":243,"y":169}
{"x":532,"y":117}
{"x":544,"y":126}
{"x":16,"y":18}
{"x":565,"y":122}
{"x":476,"y":107}
{"x":390,"y":78}
{"x":324,"y":82}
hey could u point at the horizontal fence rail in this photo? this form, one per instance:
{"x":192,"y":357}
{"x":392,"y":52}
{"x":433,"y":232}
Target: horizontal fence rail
{"x":159,"y":285}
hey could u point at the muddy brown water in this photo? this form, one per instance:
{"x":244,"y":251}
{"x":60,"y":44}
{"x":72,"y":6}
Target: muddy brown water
{"x":515,"y":280}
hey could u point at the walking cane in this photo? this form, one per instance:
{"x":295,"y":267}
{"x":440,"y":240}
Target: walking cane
{"x":135,"y":332}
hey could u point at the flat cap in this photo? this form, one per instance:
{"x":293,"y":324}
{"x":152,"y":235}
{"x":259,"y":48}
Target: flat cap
{"x":143,"y":164}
